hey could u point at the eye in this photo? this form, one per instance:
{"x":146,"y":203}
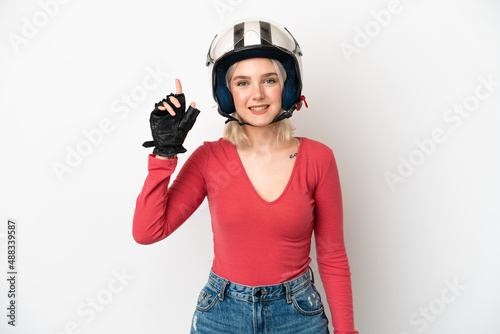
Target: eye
{"x":270,"y":81}
{"x":241,"y":83}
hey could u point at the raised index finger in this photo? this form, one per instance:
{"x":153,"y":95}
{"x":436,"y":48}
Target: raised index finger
{"x":178,"y":86}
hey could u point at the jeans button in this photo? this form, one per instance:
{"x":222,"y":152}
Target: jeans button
{"x":258,"y":293}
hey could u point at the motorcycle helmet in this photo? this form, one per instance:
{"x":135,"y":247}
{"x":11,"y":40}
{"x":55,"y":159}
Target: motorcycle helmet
{"x":255,"y":38}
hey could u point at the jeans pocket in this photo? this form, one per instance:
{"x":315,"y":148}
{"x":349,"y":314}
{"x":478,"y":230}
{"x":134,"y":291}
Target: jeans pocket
{"x":307,"y":301}
{"x":207,"y":299}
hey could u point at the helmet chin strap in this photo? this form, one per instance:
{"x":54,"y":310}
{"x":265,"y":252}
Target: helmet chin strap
{"x":285,"y":114}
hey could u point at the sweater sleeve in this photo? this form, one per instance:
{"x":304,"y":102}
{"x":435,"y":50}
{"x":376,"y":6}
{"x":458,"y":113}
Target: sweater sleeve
{"x":161,"y":209}
{"x":330,"y":250}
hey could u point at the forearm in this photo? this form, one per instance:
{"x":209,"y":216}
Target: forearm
{"x":160,"y":208}
{"x":335,"y":276}
{"x":149,"y":224}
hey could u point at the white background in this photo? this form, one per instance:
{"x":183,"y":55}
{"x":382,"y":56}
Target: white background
{"x":67,"y":68}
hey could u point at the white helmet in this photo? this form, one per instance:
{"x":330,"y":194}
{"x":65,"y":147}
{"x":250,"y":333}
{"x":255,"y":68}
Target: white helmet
{"x":255,"y":38}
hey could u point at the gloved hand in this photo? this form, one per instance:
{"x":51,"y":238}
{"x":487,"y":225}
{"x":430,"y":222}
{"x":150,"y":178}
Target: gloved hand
{"x":170,"y":131}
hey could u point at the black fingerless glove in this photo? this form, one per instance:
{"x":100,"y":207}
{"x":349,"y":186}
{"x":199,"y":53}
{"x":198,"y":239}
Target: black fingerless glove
{"x":170,"y":131}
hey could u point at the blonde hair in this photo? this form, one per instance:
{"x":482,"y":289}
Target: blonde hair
{"x":235,"y":133}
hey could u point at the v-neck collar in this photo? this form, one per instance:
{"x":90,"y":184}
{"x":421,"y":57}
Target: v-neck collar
{"x":295,"y":164}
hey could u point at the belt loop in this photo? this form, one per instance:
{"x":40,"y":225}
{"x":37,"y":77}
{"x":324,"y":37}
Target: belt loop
{"x":223,"y":289}
{"x":312,"y":275}
{"x":288,"y":293}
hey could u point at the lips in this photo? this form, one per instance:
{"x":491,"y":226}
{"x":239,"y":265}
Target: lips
{"x":260,"y":109}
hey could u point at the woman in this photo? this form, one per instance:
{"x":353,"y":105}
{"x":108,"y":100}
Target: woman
{"x":267,"y":192}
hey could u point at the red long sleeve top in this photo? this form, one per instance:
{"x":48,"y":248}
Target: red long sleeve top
{"x":246,"y":227}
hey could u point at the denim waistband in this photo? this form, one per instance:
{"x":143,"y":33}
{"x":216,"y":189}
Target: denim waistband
{"x":260,"y":292}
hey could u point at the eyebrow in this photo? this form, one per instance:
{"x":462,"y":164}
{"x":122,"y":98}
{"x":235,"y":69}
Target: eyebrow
{"x":247,"y":77}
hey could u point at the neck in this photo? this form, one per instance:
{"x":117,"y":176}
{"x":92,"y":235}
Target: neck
{"x":263,"y":139}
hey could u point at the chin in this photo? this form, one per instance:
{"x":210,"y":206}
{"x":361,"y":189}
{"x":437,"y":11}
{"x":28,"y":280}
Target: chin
{"x":260,"y":120}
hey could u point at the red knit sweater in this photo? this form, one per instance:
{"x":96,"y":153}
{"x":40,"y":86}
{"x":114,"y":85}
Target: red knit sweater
{"x":246,"y":227}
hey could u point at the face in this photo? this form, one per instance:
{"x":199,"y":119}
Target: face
{"x":256,"y":91}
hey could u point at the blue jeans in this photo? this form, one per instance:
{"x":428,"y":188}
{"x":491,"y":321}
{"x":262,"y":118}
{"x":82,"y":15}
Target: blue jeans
{"x":287,"y":308}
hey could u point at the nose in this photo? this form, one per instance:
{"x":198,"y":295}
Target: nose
{"x":258,"y":92}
